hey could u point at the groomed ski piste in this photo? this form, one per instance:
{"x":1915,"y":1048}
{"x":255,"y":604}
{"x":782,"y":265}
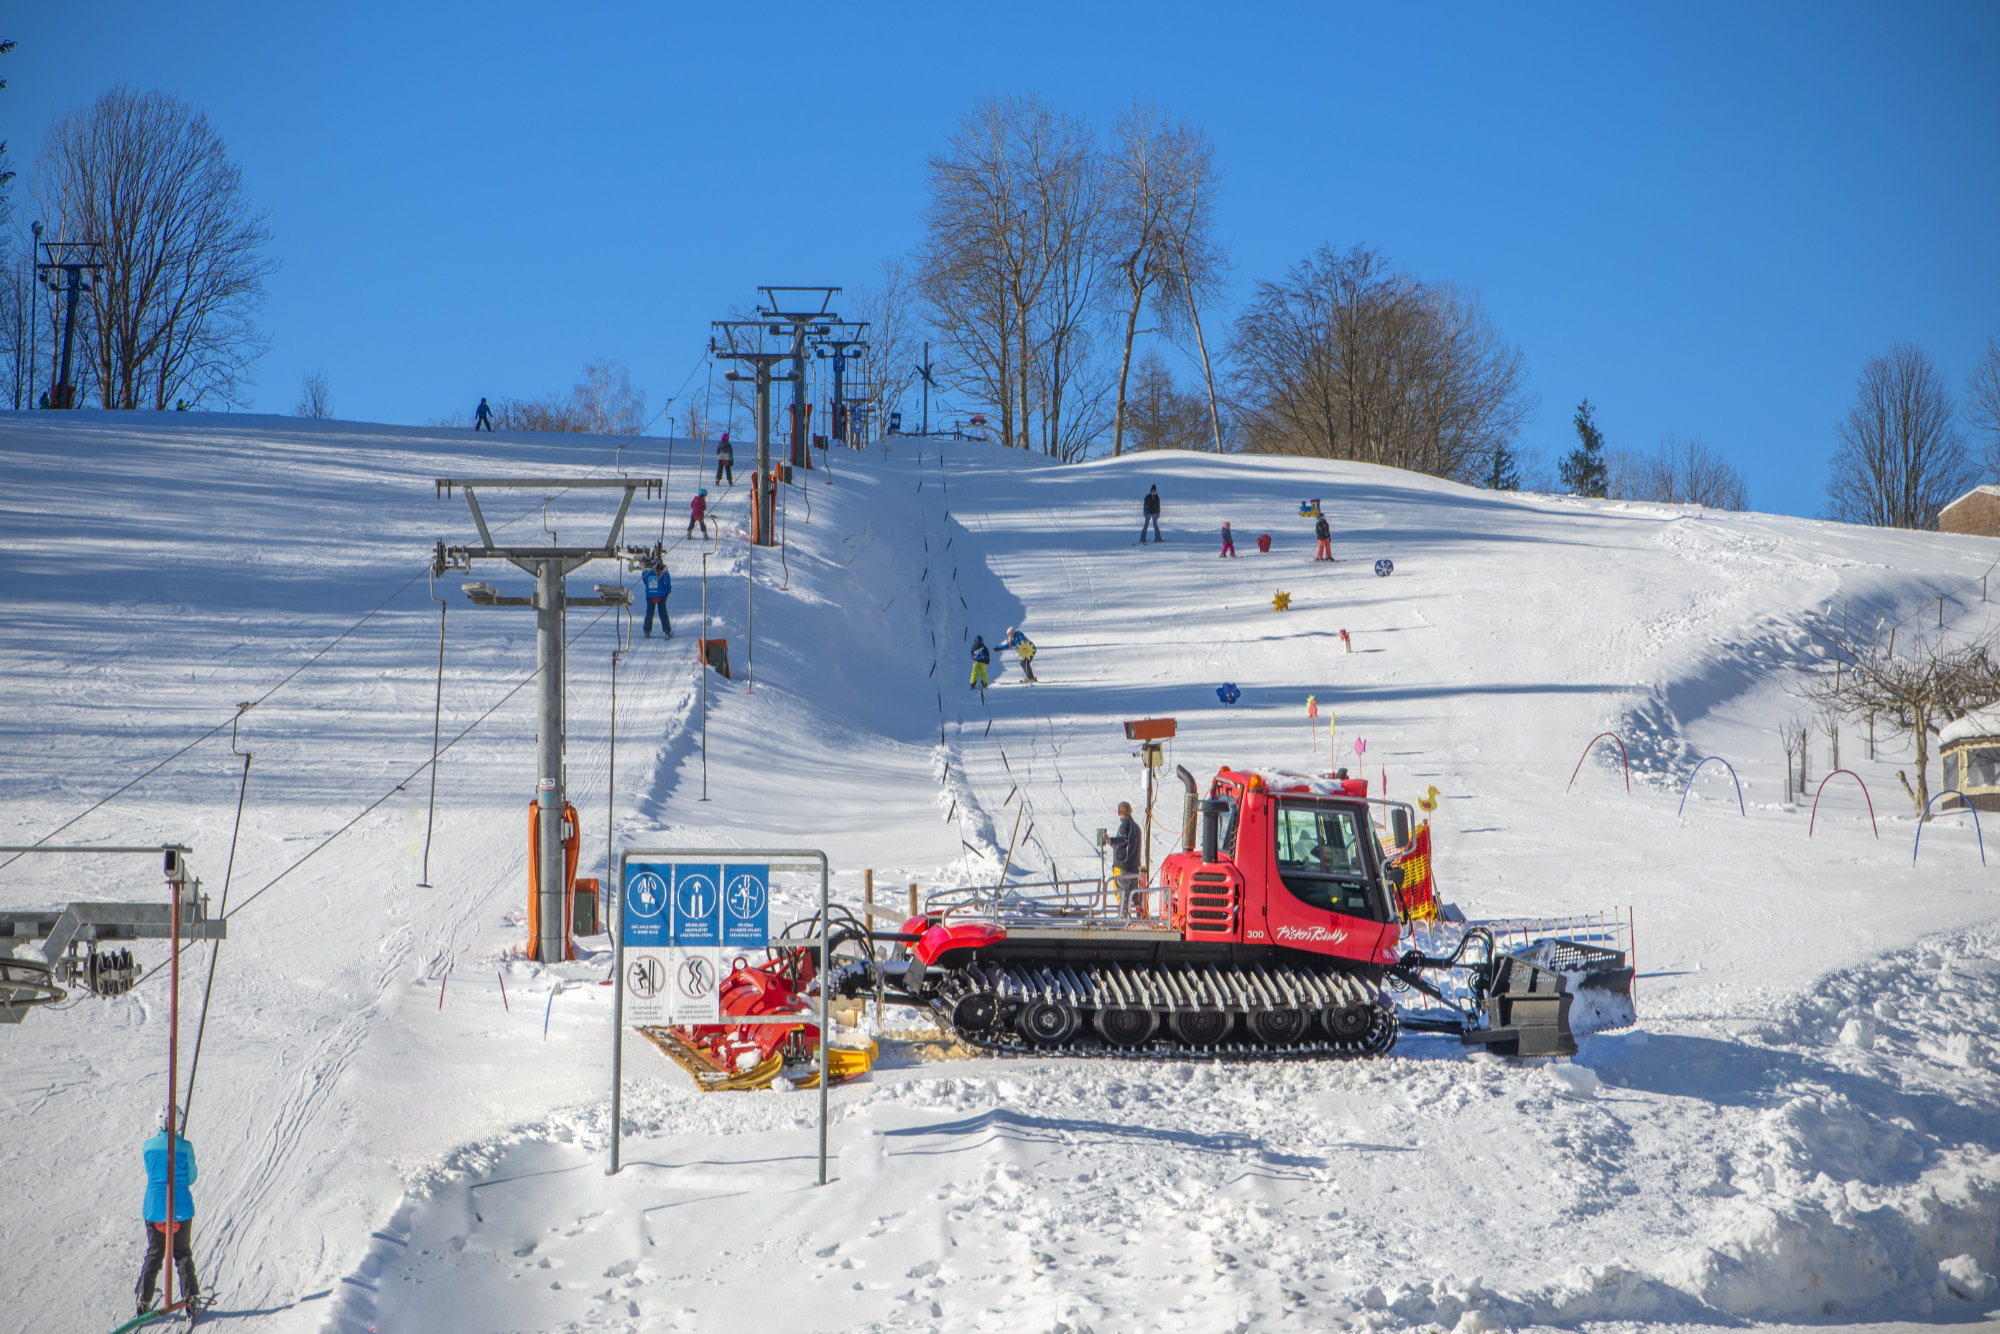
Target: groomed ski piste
{"x":1803,"y":1129}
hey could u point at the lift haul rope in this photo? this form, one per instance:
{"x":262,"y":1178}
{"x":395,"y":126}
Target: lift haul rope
{"x":288,"y":679}
{"x":365,"y":811}
{"x":229,"y":722}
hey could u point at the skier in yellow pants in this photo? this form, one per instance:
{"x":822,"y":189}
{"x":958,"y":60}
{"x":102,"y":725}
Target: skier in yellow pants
{"x":980,"y":657}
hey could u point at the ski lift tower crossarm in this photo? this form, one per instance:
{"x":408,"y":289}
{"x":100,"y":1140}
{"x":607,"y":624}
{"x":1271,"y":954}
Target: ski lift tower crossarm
{"x":68,"y":268}
{"x":764,"y":534}
{"x":839,"y":350}
{"x":805,"y":312}
{"x":550,"y":564}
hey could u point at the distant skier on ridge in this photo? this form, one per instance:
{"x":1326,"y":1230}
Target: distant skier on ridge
{"x":1151,"y":512}
{"x":482,"y":418}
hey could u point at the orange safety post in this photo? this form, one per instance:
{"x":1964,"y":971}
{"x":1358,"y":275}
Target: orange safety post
{"x":572,"y":848}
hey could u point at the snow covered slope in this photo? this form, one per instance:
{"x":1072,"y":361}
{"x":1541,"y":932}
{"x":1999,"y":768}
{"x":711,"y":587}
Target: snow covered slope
{"x":1803,"y":1126}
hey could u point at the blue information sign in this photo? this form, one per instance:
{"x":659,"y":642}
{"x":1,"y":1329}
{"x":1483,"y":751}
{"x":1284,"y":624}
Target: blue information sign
{"x":646,"y":903}
{"x":697,"y":906}
{"x":746,"y":905}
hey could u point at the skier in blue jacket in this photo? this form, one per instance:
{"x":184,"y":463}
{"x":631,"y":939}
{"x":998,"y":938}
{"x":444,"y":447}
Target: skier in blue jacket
{"x":155,"y":1213}
{"x":658,"y":585}
{"x":1024,"y":649}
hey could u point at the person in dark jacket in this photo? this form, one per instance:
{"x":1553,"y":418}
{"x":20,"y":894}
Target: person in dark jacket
{"x":981,"y":655}
{"x":156,"y":1215}
{"x":658,"y":584}
{"x":1151,"y":515}
{"x":725,"y":460}
{"x":698,"y":512}
{"x":1125,"y":852}
{"x":1228,"y":542}
{"x":482,"y":419}
{"x":1324,"y":532}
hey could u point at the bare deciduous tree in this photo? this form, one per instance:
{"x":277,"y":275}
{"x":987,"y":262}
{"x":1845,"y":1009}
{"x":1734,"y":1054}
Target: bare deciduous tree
{"x":314,"y":398}
{"x":6,"y":173}
{"x":1160,"y":223}
{"x":1143,"y":178}
{"x":1069,"y":196}
{"x":1199,"y":260}
{"x":602,"y":403}
{"x":606,"y":402}
{"x":146,"y":175}
{"x":693,"y":422}
{"x":1012,"y":261}
{"x":894,"y":340}
{"x":1931,"y":681}
{"x":1346,"y":359}
{"x":1162,"y":415}
{"x":1900,"y":458}
{"x":966,"y":268}
{"x":1677,"y":472}
{"x":1982,"y":405}
{"x":17,"y":297}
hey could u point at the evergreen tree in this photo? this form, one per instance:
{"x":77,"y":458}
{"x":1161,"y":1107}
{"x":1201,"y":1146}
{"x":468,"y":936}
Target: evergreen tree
{"x":1506,"y":473}
{"x":1583,"y":468}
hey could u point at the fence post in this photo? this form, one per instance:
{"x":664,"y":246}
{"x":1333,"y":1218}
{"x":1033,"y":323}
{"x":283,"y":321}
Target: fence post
{"x":913,"y":900}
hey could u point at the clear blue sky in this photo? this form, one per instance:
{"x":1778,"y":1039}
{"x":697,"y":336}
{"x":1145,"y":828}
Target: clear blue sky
{"x":1704,"y":217}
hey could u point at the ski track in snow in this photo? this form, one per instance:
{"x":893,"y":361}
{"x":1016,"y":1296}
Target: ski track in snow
{"x":1805,"y":1126}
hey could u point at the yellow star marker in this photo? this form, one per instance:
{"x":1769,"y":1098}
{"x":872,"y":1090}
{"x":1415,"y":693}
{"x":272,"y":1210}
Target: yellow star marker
{"x":1282,"y":602}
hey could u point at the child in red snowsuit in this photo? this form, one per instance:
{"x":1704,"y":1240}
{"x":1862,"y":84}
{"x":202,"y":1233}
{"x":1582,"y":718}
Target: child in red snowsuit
{"x":698,"y":513}
{"x":1228,"y":542}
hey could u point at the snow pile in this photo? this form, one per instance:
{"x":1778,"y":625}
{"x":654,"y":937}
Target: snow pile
{"x":1878,"y":1168}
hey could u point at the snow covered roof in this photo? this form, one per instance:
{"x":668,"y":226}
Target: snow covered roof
{"x":1989,"y":489}
{"x":1980,"y":722}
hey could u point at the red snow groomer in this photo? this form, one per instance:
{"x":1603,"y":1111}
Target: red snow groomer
{"x":1279,"y":928}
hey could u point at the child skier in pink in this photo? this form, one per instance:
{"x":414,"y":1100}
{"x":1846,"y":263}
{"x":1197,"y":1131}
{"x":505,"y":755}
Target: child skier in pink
{"x":1228,"y":542}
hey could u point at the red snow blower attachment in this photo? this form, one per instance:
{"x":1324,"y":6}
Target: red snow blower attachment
{"x":752,"y":1056}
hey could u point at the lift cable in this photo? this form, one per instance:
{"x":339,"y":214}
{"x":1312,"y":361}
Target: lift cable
{"x":321,"y":846}
{"x":227,"y":722}
{"x":215,"y":947}
{"x":437,"y":721}
{"x":231,"y":720}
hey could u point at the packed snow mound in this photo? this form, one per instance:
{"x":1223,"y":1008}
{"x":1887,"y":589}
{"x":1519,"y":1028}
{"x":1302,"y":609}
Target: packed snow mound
{"x":402,"y":1122}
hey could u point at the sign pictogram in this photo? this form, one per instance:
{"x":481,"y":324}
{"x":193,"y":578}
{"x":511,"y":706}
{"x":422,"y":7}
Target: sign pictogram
{"x":746,"y":905}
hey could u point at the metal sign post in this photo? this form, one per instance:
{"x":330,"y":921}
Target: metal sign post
{"x":680,"y":912}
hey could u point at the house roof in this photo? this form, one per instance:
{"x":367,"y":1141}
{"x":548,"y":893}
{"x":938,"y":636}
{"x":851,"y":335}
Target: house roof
{"x":1978,"y":723}
{"x":1989,"y":489}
